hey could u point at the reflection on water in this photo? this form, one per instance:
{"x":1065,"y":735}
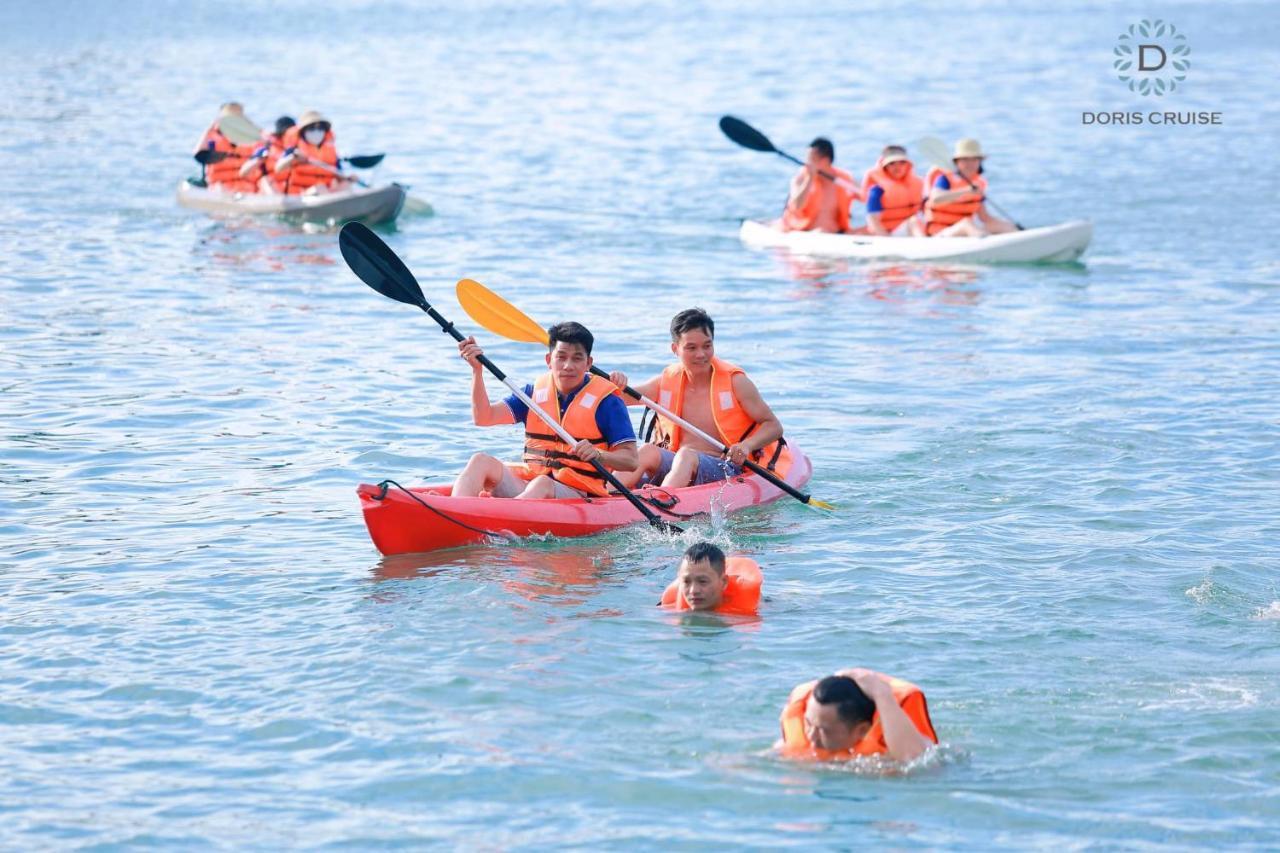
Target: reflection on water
{"x":563,"y":573}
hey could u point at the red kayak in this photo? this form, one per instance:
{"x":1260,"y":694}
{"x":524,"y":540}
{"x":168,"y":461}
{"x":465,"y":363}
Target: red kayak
{"x":406,"y":521}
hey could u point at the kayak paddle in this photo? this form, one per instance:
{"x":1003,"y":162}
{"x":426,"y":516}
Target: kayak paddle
{"x":935,"y":150}
{"x":239,"y":130}
{"x":336,"y":173}
{"x":502,"y":318}
{"x":207,"y":156}
{"x":416,"y":206}
{"x":364,"y":161}
{"x":378,"y":266}
{"x":748,"y":137}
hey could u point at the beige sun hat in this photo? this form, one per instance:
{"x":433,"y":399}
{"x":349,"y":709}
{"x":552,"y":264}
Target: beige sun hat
{"x":967,"y":148}
{"x":311,"y":117}
{"x":897,"y":155}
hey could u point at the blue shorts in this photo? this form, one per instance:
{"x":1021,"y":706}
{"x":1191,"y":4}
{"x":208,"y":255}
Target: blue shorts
{"x":711,"y":469}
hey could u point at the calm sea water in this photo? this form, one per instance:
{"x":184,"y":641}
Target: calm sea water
{"x":1058,"y":485}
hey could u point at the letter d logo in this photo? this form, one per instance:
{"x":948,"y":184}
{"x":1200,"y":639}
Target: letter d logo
{"x":1142,"y":57}
{"x":1151,"y":58}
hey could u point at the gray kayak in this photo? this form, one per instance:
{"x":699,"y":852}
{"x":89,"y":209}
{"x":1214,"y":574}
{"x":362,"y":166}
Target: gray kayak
{"x":365,"y":204}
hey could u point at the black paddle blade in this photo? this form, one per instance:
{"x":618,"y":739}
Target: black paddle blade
{"x":745,"y":135}
{"x":365,"y":161}
{"x":206,"y":157}
{"x":376,"y":265}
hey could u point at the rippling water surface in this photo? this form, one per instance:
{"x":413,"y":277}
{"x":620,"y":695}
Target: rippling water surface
{"x":1058,"y":485}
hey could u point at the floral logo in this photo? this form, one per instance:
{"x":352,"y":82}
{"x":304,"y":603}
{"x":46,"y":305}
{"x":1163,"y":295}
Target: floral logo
{"x":1152,"y":57}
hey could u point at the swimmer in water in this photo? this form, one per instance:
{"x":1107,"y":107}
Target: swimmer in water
{"x":707,"y":582}
{"x":701,"y":579}
{"x":856,"y":712}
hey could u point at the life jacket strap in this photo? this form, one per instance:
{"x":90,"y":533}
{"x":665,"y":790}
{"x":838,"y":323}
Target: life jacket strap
{"x":777,"y":452}
{"x":541,"y":436}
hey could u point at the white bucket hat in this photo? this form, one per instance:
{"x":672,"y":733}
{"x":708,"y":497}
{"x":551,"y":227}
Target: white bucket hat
{"x":899,"y":156}
{"x":967,"y":148}
{"x":311,"y":117}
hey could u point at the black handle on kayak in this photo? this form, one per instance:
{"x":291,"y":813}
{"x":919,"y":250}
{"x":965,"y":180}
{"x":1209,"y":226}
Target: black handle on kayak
{"x":376,"y":265}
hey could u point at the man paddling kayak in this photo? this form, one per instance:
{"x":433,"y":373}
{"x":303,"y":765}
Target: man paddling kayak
{"x":713,"y":395}
{"x":588,"y":407}
{"x":820,"y":193}
{"x":955,"y":206}
{"x":853,"y":713}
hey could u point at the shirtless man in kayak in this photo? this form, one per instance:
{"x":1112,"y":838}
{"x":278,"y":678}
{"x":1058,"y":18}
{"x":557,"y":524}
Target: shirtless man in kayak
{"x":713,"y":395}
{"x":820,"y":193}
{"x":588,"y":407}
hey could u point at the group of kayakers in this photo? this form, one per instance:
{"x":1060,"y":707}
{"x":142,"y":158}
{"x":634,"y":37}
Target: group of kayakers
{"x":709,"y":393}
{"x":850,"y":713}
{"x":294,"y":157}
{"x":946,"y":203}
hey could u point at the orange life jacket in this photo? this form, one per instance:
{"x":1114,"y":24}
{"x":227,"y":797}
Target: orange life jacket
{"x":741,"y":592}
{"x":226,"y":172}
{"x":796,"y":743}
{"x":901,"y":199}
{"x":545,"y":453}
{"x":272,"y":150}
{"x":301,"y":175}
{"x":805,"y":216}
{"x":938,"y":216}
{"x":732,"y":421}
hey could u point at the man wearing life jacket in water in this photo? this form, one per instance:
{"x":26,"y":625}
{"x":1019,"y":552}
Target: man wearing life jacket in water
{"x":895,"y":195}
{"x":820,"y":193}
{"x":310,"y":161}
{"x":955,"y":205}
{"x":588,"y":407}
{"x":713,"y":395}
{"x":853,"y":713}
{"x":708,"y":582}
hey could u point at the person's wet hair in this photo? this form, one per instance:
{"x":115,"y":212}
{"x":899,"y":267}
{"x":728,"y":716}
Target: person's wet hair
{"x":851,"y":703}
{"x":705,"y":551}
{"x":825,"y":148}
{"x":690,"y":319}
{"x":570,"y":333}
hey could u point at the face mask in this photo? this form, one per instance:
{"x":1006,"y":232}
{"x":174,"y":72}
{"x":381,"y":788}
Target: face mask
{"x":314,"y":136}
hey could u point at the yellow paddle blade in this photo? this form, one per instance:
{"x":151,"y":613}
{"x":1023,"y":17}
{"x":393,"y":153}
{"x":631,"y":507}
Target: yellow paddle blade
{"x":817,"y":504}
{"x":497,"y":314}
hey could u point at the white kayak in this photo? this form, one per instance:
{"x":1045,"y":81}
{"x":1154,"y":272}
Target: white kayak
{"x":1053,"y":243}
{"x":366,"y":204}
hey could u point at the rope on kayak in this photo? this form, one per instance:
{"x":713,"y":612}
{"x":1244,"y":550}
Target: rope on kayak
{"x":383,"y":485}
{"x":665,"y":505}
{"x":662,"y":506}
